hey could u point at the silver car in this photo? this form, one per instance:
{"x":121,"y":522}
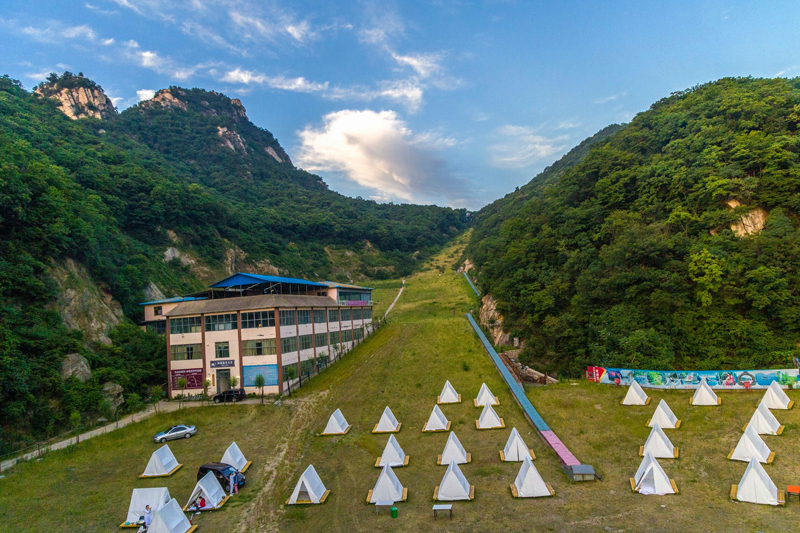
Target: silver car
{"x":175,"y":432}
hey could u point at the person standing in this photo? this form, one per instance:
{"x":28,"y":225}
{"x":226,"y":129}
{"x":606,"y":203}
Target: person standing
{"x":147,"y":517}
{"x":232,"y":480}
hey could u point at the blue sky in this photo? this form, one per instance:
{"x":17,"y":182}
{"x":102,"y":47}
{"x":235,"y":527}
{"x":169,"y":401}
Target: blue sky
{"x":440,"y":101}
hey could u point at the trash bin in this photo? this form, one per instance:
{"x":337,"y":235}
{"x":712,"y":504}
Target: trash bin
{"x":394,"y":512}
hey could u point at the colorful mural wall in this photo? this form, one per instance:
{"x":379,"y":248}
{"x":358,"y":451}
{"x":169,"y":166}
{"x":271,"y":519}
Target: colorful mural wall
{"x":689,"y":379}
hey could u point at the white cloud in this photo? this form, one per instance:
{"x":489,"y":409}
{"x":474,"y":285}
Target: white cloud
{"x":154,"y":61}
{"x":54,"y":32}
{"x":425,"y":65}
{"x":205,"y":34}
{"x":381,"y":27}
{"x":786,"y":71}
{"x":144,"y":94}
{"x":610,"y":98}
{"x":249,"y":77}
{"x":520,"y":147}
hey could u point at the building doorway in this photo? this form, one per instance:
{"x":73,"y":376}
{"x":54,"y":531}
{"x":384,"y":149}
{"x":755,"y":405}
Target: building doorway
{"x":223,"y":380}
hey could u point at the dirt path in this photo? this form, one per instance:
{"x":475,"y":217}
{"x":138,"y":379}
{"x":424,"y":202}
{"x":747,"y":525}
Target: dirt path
{"x":395,"y":299}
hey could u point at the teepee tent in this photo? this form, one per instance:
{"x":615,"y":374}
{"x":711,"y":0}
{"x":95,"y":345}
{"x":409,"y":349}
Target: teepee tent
{"x":454,"y":486}
{"x":529,"y":483}
{"x":489,"y":419}
{"x":664,"y":417}
{"x":705,"y":395}
{"x":388,"y":423}
{"x":454,"y":452}
{"x":162,"y":463}
{"x":337,"y":425}
{"x":515,"y":449}
{"x":393,"y":455}
{"x":449,"y":394}
{"x":764,"y":422}
{"x":233,"y":456}
{"x":659,"y":445}
{"x":437,"y":421}
{"x":156,"y":498}
{"x":636,"y":395}
{"x":388,"y":488}
{"x":756,"y":487}
{"x":751,"y":445}
{"x":209,"y":488}
{"x":776,"y":398}
{"x":485,"y":397}
{"x":309,"y":489}
{"x":170,"y":519}
{"x":651,"y":478}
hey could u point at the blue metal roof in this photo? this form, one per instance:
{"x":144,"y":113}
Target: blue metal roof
{"x":176,"y":299}
{"x":241,"y":278}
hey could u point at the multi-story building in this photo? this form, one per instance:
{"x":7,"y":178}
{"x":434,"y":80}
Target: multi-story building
{"x":248,"y":324}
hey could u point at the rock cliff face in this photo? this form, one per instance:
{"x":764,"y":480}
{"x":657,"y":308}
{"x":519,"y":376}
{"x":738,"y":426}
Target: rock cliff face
{"x":80,"y":102}
{"x":493,"y":320}
{"x":750,"y":223}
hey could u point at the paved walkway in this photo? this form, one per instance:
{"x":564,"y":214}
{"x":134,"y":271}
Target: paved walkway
{"x":395,"y":299}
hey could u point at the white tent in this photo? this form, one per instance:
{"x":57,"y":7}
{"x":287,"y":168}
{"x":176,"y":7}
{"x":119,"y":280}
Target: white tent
{"x":388,"y":488}
{"x":705,"y":395}
{"x":651,"y":478}
{"x":437,"y":421}
{"x":454,"y":452}
{"x":454,"y":486}
{"x":489,"y":419}
{"x":756,"y":486}
{"x":449,"y":394}
{"x":209,"y":488}
{"x":337,"y":425}
{"x":516,"y":450}
{"x":162,"y":463}
{"x":170,"y":519}
{"x":636,"y":396}
{"x":309,"y":489}
{"x":529,"y":483}
{"x":233,"y":456}
{"x":393,"y":455}
{"x":388,"y":423}
{"x":485,"y":397}
{"x":776,"y":398}
{"x":751,"y":445}
{"x":664,"y":417}
{"x":764,"y":422}
{"x":659,"y":445}
{"x":156,"y":498}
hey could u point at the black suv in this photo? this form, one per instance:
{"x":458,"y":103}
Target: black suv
{"x":222,"y":472}
{"x":230,"y":395}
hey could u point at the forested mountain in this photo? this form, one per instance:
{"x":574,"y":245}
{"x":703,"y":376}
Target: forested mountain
{"x":673,"y":243}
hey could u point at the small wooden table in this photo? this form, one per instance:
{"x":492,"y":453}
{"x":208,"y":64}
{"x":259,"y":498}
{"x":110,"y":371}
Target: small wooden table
{"x":443,"y":507}
{"x":792,"y":490}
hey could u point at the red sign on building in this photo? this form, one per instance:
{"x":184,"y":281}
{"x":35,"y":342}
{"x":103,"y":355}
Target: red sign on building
{"x":193,"y":377}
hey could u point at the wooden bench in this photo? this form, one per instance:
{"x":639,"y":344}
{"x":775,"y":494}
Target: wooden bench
{"x":443,"y":508}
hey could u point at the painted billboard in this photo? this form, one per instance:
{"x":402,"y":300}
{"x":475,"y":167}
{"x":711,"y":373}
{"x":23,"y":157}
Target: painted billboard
{"x":270,"y":373}
{"x":689,"y":379}
{"x":193,"y":377}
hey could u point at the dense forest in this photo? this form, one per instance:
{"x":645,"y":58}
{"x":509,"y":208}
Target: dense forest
{"x":672,"y":243}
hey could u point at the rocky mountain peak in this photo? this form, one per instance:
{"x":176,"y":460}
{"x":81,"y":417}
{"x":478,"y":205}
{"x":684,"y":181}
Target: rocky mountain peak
{"x":78,"y":97}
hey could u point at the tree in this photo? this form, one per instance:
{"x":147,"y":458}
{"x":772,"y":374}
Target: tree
{"x":233,"y":381}
{"x":133,"y":403}
{"x":206,"y":386}
{"x":289,"y":373}
{"x":259,"y":382}
{"x":155,"y":396}
{"x":182,"y":385}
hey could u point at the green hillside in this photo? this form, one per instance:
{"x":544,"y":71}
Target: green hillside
{"x":673,"y":243}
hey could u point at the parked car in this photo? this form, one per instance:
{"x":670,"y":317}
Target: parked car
{"x":222,"y":472}
{"x":230,"y":395}
{"x":180,"y":431}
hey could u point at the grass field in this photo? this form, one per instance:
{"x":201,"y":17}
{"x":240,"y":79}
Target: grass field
{"x":404,"y":365}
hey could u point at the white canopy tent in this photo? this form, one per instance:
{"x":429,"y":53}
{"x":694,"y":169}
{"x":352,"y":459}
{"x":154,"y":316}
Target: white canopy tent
{"x":388,"y":488}
{"x":664,"y":417}
{"x":437,"y":421}
{"x":337,"y":425}
{"x":751,"y":445}
{"x":162,"y":463}
{"x":170,"y":519}
{"x":764,"y":422}
{"x":757,"y":487}
{"x":209,"y":488}
{"x":489,"y":419}
{"x":454,"y":486}
{"x":454,"y":452}
{"x":309,"y":489}
{"x":393,"y":455}
{"x":636,"y":395}
{"x":650,"y":478}
{"x":516,"y":450}
{"x":659,"y":445}
{"x":485,"y":397}
{"x":705,"y":395}
{"x":448,"y":394}
{"x":233,"y":456}
{"x":776,"y":398}
{"x":529,"y":483}
{"x":156,"y":498}
{"x":388,"y":423}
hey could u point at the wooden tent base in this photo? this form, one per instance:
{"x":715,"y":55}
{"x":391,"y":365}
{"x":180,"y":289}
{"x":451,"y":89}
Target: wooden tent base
{"x":405,"y":463}
{"x":309,"y":502}
{"x":223,"y":502}
{"x":436,"y":493}
{"x":503,"y":456}
{"x":501,"y":426}
{"x":735,"y":490}
{"x":495,"y":403}
{"x":405,"y":495}
{"x":142,"y":476}
{"x":515,"y":492}
{"x":440,"y":402}
{"x":245,"y":467}
{"x":375,"y":429}
{"x":425,"y":430}
{"x":469,"y":459}
{"x":345,"y":432}
{"x":674,"y":453}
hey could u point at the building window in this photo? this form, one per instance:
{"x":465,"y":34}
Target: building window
{"x":184,"y":352}
{"x":307,"y":367}
{"x":288,"y":344}
{"x":319,"y":316}
{"x":185,"y":325}
{"x":159,"y":326}
{"x":221,"y":322}
{"x":304,"y":316}
{"x":358,"y":333}
{"x":306,"y":342}
{"x":287,"y":318}
{"x":333,"y":315}
{"x":347,"y":335}
{"x":321,"y":339}
{"x":261,"y":347}
{"x":334,"y":338}
{"x":356,"y":314}
{"x":259,"y":319}
{"x":346,"y":314}
{"x":157,"y":310}
{"x":367,"y":313}
{"x":349,"y":296}
{"x":222,"y":349}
